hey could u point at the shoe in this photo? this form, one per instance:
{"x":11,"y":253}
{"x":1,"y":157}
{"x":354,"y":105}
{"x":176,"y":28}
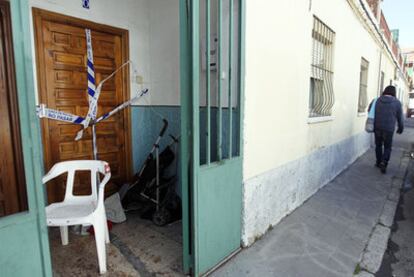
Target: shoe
{"x":377,"y":164}
{"x":383,"y":167}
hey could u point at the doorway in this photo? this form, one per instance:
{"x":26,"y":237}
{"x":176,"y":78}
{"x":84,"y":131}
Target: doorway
{"x":138,"y":246}
{"x":210,"y":108}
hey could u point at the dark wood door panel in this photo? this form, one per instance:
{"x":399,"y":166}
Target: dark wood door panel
{"x":12,"y":181}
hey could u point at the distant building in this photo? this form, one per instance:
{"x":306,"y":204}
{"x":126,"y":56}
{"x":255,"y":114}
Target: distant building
{"x":396,"y":35}
{"x":408,"y":55}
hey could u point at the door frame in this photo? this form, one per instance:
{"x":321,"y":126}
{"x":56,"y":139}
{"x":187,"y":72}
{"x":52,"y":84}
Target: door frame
{"x":14,"y":111}
{"x":38,"y":16}
{"x":31,"y":145}
{"x":185,"y":120}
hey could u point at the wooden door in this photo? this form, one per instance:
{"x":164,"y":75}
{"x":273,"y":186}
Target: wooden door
{"x":12,"y":183}
{"x":61,"y":53}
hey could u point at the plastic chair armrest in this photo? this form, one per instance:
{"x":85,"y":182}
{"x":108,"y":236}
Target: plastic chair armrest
{"x":49,"y":176}
{"x":53,"y":173}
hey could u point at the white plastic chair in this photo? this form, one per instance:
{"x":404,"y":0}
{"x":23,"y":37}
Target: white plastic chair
{"x":85,"y":210}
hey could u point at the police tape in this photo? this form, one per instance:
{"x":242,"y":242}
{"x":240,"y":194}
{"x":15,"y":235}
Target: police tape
{"x":93,"y":96}
{"x":93,"y":105}
{"x":93,"y":93}
{"x":121,"y":107}
{"x":42,"y":112}
{"x":112,"y":112}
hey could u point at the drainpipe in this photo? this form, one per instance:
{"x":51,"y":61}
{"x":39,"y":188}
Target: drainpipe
{"x":379,"y":74}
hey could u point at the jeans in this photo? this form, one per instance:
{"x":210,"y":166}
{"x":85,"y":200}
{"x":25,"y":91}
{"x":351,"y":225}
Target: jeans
{"x":383,"y":139}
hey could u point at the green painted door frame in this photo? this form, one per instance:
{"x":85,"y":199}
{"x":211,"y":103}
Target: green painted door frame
{"x":185,"y":152}
{"x":24,"y":240}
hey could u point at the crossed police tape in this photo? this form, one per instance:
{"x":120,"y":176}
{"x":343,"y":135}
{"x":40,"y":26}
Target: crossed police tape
{"x":44,"y":112}
{"x":93,"y":96}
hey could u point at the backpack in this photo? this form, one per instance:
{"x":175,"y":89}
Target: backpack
{"x":369,"y":124}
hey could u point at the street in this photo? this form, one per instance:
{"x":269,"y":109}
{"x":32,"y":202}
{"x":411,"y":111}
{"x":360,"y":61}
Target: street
{"x":399,"y":258}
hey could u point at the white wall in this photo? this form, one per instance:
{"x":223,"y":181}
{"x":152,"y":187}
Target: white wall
{"x":285,"y":157}
{"x":388,"y":67}
{"x":153,"y":27}
{"x":403,"y":90}
{"x":398,"y":80}
{"x":164,"y":52}
{"x":278,"y":57}
{"x":225,"y":54}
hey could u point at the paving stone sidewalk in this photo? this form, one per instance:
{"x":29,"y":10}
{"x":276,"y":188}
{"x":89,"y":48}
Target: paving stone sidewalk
{"x":329,"y":235}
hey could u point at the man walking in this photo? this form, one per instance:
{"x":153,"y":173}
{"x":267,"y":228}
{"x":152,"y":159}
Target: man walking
{"x":388,"y":111}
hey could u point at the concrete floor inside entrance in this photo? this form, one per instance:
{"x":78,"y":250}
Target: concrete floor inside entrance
{"x":137,"y":248}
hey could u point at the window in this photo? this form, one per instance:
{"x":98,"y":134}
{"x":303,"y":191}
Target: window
{"x":321,"y":96}
{"x":363,"y":85}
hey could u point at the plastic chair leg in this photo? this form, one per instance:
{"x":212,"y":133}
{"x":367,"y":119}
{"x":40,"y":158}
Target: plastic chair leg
{"x":64,"y":235}
{"x":99,"y":230}
{"x":107,"y":240}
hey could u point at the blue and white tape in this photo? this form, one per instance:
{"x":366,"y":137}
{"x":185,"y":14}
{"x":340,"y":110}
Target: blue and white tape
{"x":42,"y":111}
{"x":93,"y":96}
{"x":93,"y":93}
{"x":121,"y":107}
{"x":90,"y":66}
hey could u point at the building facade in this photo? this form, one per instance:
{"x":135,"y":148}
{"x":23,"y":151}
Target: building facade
{"x":342,"y":45}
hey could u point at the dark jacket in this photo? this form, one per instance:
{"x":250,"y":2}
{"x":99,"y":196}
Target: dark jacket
{"x":388,"y":111}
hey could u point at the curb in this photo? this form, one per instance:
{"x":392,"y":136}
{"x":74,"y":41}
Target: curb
{"x":371,"y":258}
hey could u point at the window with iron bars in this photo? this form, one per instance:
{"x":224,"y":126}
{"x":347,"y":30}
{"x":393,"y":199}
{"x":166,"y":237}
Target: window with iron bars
{"x":363,"y":86}
{"x":321,"y":96}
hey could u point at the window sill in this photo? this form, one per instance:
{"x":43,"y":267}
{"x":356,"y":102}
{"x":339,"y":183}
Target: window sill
{"x":320,"y":119}
{"x":364,"y":114}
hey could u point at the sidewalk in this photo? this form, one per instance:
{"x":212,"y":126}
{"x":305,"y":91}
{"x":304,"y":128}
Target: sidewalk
{"x":329,"y":234}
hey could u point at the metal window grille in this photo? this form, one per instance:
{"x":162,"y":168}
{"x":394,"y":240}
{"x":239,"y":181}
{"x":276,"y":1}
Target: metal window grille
{"x":321,"y":88}
{"x":363,"y":86}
